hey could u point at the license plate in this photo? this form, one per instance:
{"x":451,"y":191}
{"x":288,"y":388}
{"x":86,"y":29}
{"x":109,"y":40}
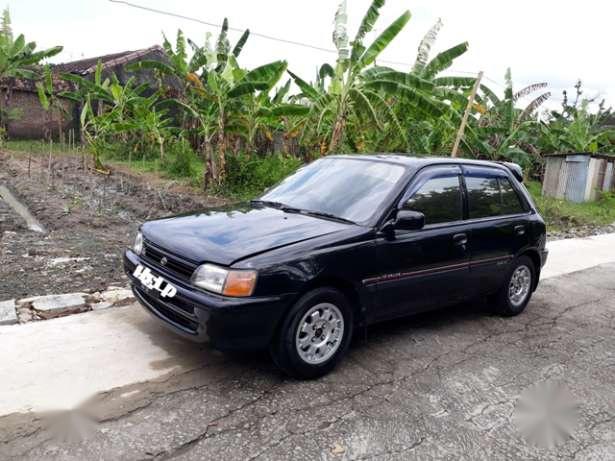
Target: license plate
{"x":154,"y":282}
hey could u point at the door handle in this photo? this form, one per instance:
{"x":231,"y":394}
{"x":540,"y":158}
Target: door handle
{"x":460,"y":239}
{"x":520,"y":229}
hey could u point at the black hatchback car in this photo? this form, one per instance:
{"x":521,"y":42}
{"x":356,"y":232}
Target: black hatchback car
{"x":344,"y":242}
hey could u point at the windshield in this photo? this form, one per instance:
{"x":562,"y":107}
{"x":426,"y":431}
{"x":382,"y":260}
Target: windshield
{"x":351,"y":189}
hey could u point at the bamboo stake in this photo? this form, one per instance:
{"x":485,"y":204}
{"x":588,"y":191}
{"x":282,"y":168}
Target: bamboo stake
{"x":466,"y":114}
{"x":50,"y":172}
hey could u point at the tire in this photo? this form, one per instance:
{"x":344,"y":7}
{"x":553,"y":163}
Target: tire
{"x":511,"y":301}
{"x":297,"y":349}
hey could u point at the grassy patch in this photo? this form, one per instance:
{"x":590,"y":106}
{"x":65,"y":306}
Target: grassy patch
{"x":40,"y":147}
{"x":249,"y":175}
{"x":560,"y":214}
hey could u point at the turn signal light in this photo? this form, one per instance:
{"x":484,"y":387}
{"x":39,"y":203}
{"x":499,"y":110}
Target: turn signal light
{"x":240,"y":283}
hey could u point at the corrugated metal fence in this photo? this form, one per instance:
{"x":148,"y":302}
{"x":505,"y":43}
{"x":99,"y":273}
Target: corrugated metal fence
{"x":578,"y":177}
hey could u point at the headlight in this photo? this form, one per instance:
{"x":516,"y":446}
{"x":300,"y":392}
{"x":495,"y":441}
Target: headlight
{"x":138,"y":246}
{"x":224,"y":281}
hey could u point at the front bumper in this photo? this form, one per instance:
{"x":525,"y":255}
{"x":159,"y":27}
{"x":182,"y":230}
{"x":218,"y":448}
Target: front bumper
{"x":227,"y":323}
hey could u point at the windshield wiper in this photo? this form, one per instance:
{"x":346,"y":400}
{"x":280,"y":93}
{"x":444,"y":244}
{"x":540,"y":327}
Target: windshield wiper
{"x":290,"y":209}
{"x":322,"y":214}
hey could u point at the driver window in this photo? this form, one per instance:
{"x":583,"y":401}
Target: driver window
{"x":439,"y":199}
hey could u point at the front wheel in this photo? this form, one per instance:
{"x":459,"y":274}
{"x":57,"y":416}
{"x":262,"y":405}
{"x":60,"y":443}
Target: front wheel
{"x":516,"y":292}
{"x":314,"y":335}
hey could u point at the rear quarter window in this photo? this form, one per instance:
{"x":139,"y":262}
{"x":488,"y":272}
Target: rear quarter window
{"x":511,"y":202}
{"x":490,"y":196}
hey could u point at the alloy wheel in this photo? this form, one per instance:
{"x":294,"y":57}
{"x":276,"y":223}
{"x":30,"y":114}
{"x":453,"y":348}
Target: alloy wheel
{"x":319,"y":333}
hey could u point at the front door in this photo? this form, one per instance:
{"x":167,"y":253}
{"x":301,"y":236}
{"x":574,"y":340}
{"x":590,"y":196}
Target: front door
{"x":426,"y":268}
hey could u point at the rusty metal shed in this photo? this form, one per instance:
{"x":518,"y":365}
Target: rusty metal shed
{"x":578,"y":177}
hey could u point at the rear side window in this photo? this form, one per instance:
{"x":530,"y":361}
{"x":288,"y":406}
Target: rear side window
{"x":491,"y":196}
{"x":439,"y":199}
{"x":511,"y":203}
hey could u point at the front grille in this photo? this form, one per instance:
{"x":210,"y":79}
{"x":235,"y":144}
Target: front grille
{"x":164,"y":309}
{"x":175,"y":265}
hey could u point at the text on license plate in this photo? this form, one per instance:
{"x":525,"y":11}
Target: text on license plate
{"x":154,"y":282}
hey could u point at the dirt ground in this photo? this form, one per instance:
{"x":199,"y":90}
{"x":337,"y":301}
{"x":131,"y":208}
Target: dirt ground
{"x":90,"y":219}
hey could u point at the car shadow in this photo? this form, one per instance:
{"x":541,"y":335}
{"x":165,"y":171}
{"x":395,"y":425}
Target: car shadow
{"x":428,"y":320}
{"x":184,"y":354}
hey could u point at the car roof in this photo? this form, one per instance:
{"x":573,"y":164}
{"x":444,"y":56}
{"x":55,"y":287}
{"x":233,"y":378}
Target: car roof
{"x":416,"y":162}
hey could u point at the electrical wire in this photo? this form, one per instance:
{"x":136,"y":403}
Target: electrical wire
{"x":271,"y":37}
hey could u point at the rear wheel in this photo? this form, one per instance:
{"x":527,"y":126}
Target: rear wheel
{"x":516,"y":292}
{"x":314,"y":335}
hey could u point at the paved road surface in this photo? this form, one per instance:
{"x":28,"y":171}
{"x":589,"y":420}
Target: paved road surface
{"x":439,"y":385}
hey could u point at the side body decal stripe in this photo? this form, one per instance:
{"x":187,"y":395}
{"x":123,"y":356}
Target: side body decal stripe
{"x":433,"y":270}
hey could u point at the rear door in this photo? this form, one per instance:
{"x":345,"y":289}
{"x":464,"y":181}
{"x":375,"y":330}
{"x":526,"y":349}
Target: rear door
{"x":426,"y":268}
{"x":499,"y":220}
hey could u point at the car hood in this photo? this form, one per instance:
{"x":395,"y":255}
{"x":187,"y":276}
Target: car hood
{"x":227,"y":235}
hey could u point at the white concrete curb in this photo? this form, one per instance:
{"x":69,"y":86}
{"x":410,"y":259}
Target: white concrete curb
{"x":52,"y":306}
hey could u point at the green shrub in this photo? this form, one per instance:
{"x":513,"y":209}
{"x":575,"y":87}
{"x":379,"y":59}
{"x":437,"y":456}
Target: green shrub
{"x":247,"y":176}
{"x":180,"y":160}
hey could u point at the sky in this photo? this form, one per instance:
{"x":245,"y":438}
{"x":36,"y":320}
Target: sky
{"x":541,"y":40}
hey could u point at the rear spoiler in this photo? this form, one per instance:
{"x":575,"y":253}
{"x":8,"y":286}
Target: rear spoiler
{"x":515,"y":169}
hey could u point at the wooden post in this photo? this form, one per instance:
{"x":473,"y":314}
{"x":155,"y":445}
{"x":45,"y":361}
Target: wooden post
{"x":466,"y":114}
{"x":50,"y":169}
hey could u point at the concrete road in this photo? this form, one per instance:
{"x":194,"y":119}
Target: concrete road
{"x":442,"y":385}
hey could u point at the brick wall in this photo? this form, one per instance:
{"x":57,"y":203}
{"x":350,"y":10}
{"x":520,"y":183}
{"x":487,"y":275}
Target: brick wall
{"x":32,"y":121}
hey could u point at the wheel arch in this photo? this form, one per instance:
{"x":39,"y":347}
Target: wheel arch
{"x":533,"y":254}
{"x":347,"y":288}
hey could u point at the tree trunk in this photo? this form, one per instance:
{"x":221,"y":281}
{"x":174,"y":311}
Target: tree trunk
{"x":60,"y":132}
{"x":338,"y":132}
{"x":209,"y":173}
{"x":4,"y":109}
{"x":221,"y":147}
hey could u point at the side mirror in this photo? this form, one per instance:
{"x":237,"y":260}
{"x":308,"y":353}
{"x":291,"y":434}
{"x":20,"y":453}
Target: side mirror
{"x":409,"y":220}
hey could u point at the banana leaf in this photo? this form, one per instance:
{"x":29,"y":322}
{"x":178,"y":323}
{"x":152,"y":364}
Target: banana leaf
{"x":241,"y":42}
{"x":444,"y":60}
{"x":383,"y":40}
{"x":308,"y":90}
{"x":367,"y":24}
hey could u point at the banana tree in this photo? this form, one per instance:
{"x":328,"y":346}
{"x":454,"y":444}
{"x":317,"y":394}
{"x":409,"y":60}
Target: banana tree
{"x":190,"y":70}
{"x":50,"y":101}
{"x":428,"y":134}
{"x":427,"y":68}
{"x":358,"y":92}
{"x":508,"y":128}
{"x":16,"y":60}
{"x":115,"y":111}
{"x":265,"y":115}
{"x":219,"y":104}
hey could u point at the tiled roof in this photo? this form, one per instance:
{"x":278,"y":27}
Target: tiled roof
{"x":81,"y":67}
{"x":88,"y":66}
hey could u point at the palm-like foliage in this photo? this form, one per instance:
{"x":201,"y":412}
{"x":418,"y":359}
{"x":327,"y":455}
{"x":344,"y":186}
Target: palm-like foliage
{"x":507,"y":128}
{"x":575,"y":129}
{"x":218,"y":96}
{"x":358,"y":92}
{"x":50,"y":100}
{"x":428,"y":134}
{"x":113,"y":110}
{"x":18,"y":58}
